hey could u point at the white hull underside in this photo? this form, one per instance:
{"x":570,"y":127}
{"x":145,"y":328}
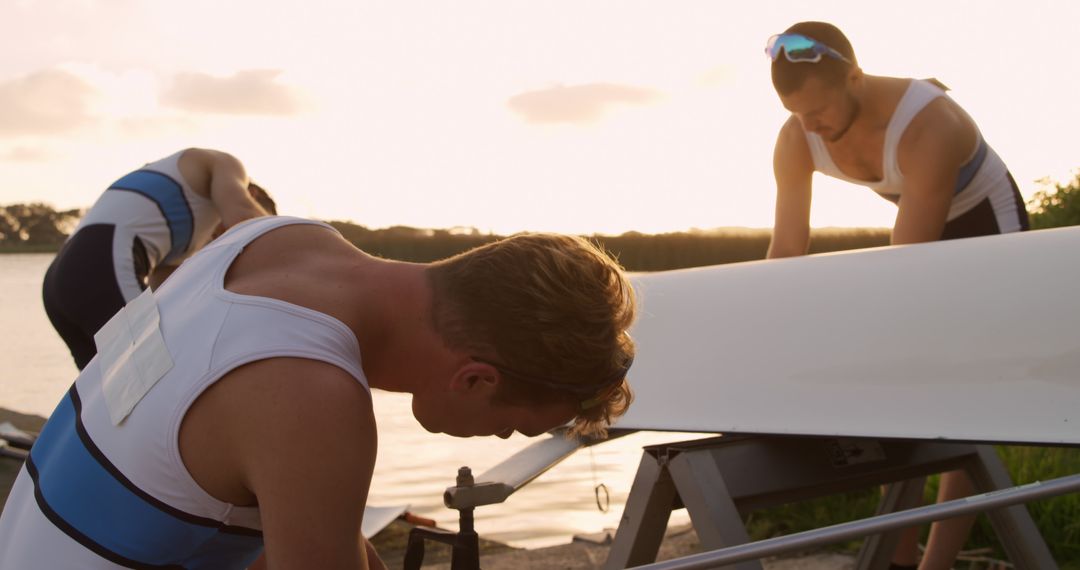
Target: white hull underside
{"x":971,"y":340}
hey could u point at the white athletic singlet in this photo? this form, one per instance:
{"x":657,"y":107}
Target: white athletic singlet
{"x":96,"y":495}
{"x":155,"y":205}
{"x":984,"y":176}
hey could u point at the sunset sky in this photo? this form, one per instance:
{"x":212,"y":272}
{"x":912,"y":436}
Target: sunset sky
{"x":504,"y":115}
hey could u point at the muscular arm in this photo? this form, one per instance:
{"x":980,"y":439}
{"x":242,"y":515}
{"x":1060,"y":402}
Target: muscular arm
{"x":222,"y":178}
{"x":793,"y":169}
{"x":306,"y":451}
{"x":933,"y":148}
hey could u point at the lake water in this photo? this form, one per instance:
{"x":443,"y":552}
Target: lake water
{"x":414,"y":466}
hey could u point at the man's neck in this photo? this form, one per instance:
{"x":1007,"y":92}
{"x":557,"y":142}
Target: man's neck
{"x":393,"y":324}
{"x":876,"y":103}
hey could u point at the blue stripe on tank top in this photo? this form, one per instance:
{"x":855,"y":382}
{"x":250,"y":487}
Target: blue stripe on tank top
{"x":967,"y":171}
{"x":169,"y":197}
{"x":87,"y":498}
{"x":963,"y":178}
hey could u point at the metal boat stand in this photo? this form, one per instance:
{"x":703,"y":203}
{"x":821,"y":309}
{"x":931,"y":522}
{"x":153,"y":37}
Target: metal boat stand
{"x":719,"y":480}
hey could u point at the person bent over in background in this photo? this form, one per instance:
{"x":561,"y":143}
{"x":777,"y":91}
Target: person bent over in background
{"x":138,"y":231}
{"x":188,"y":442}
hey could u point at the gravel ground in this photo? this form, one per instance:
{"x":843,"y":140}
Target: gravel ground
{"x":680,"y":541}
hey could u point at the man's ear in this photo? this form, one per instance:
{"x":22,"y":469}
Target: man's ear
{"x":474,"y":375}
{"x":855,"y":77}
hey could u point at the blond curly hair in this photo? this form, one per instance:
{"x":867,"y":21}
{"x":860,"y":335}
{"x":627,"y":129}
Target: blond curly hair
{"x":551,"y":312}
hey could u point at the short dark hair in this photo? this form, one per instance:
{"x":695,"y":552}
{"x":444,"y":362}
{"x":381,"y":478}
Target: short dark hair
{"x":262,"y":197}
{"x":789,"y":77}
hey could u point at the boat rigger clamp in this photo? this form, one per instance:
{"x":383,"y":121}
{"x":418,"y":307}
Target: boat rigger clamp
{"x":464,"y":544}
{"x":492,"y":487}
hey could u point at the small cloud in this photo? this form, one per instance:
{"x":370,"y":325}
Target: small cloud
{"x":45,"y":102}
{"x":577,"y":103}
{"x":717,"y":76}
{"x":152,"y":126}
{"x":25,"y":154}
{"x":247,"y":92}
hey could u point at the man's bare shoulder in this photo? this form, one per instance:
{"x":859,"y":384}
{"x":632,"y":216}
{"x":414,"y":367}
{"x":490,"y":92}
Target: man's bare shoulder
{"x":301,"y":235}
{"x":941,"y":126}
{"x":301,"y":386}
{"x":255,"y":415}
{"x":792,"y":152}
{"x":198,"y":166}
{"x":301,"y":254}
{"x":792,"y":138}
{"x":291,"y":399}
{"x":206,"y":156}
{"x":792,"y":129}
{"x":306,"y":247}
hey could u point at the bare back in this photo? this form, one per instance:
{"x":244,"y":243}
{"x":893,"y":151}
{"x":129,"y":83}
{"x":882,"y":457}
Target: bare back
{"x":296,"y":437}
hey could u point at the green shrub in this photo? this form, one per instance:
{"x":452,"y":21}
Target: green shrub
{"x":1056,"y":206}
{"x":1058,"y":518}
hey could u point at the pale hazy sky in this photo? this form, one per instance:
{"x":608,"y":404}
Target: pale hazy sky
{"x":578,"y":116}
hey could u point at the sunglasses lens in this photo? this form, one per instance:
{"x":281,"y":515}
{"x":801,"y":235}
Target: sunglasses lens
{"x":796,"y":48}
{"x":772,"y":48}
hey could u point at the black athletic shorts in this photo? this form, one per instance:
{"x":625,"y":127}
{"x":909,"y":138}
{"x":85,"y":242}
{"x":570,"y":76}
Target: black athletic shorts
{"x":982,"y":220}
{"x":80,"y":289}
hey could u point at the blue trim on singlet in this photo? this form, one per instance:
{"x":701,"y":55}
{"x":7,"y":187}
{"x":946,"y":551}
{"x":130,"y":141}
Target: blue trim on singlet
{"x":169,"y":197}
{"x":967,"y":171}
{"x":963,"y":178}
{"x":87,"y":498}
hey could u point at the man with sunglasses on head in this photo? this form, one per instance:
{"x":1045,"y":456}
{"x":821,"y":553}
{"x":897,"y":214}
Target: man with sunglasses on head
{"x":904,"y":139}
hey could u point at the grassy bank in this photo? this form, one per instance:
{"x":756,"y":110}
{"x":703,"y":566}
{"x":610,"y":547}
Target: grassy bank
{"x":1058,"y":518}
{"x":45,"y":248}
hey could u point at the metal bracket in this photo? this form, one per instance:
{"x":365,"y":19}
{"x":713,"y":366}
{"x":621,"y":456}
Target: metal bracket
{"x":464,"y":544}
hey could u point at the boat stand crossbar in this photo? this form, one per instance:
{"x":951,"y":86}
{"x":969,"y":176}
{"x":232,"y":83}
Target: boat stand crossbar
{"x":719,"y":480}
{"x":857,"y":529}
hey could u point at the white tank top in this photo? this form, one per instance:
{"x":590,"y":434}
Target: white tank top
{"x":983,"y":176}
{"x":158,"y":206}
{"x":112,"y":496}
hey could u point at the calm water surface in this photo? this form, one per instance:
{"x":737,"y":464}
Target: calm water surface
{"x":414,"y":466}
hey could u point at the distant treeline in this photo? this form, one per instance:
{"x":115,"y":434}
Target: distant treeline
{"x":636,"y":251}
{"x":38,"y":227}
{"x":35,"y":227}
